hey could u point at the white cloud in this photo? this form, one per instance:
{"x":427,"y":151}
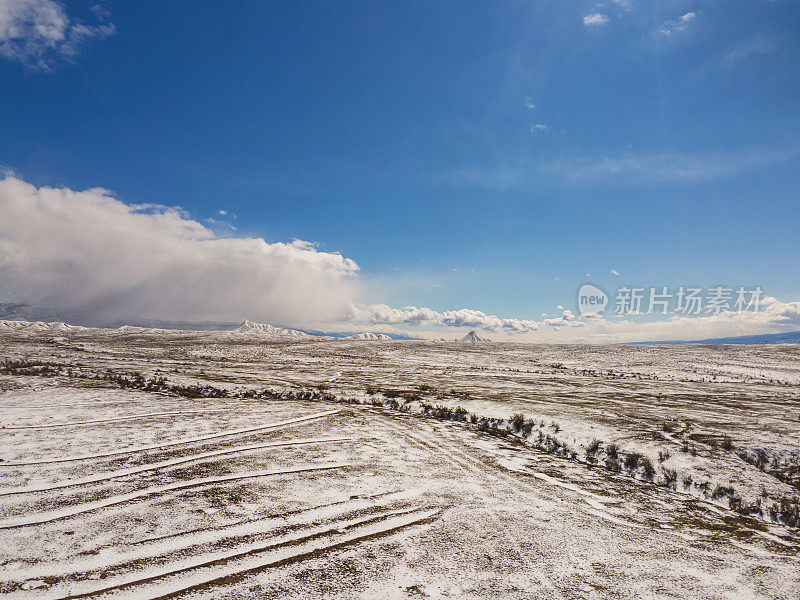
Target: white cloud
{"x":595,"y":19}
{"x":775,"y":317}
{"x":88,"y":251}
{"x":626,"y":4}
{"x":666,"y":167}
{"x":37,"y":33}
{"x":678,"y":25}
{"x":465,"y":317}
{"x":529,"y":103}
{"x":743,"y":51}
{"x":535,"y":127}
{"x":614,"y":272}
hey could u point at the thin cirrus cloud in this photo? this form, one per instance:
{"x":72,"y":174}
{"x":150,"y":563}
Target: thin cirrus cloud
{"x":40,"y":33}
{"x":667,"y":167}
{"x":628,"y":168}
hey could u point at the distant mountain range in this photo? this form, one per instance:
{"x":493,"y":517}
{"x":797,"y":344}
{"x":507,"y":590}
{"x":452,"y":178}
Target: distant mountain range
{"x":10,"y":311}
{"x":790,"y":337}
{"x":368,"y":336}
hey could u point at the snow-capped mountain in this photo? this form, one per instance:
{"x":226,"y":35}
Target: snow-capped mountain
{"x":473,"y":338}
{"x":265,"y":329}
{"x":38,"y":326}
{"x":368,"y":336}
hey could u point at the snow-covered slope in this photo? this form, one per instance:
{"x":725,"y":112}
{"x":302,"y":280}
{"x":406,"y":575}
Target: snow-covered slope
{"x":267,"y":330}
{"x":368,"y":336}
{"x":38,"y":326}
{"x":473,"y":338}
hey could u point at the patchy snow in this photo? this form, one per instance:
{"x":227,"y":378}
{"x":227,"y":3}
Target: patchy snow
{"x":129,"y":493}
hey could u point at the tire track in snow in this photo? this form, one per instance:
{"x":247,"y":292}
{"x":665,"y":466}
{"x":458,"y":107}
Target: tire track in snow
{"x":467,"y":465}
{"x":326,"y":515}
{"x":180,"y":442}
{"x":166,"y":464}
{"x":56,"y":515}
{"x":114,"y":419}
{"x":228,"y":567}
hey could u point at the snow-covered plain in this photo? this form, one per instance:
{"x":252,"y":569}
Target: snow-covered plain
{"x":110,"y":492}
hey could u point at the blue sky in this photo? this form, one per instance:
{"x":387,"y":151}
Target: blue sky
{"x":486,"y":155}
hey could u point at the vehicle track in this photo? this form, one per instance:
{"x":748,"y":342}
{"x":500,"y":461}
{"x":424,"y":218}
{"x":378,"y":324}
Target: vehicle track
{"x":229,"y":567}
{"x":114,"y":419}
{"x":167,"y":464}
{"x":56,"y":515}
{"x":233,"y":535}
{"x":467,"y":465}
{"x":179,"y":442}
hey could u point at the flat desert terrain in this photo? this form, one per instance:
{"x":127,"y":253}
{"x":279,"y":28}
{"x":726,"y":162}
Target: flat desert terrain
{"x":146,"y":464}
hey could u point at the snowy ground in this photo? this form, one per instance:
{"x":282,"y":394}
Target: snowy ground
{"x":109,"y":492}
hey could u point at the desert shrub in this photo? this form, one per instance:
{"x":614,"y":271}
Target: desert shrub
{"x":593,"y":447}
{"x":647,"y":468}
{"x":612,"y":464}
{"x":632,"y":460}
{"x":459,"y":413}
{"x":722,"y":490}
{"x":786,"y":510}
{"x":25,"y":367}
{"x":612,"y":451}
{"x":517,"y":421}
{"x":687,"y":480}
{"x":761,"y":458}
{"x":727,"y":444}
{"x":670,"y":476}
{"x":527,"y":427}
{"x":663,"y":455}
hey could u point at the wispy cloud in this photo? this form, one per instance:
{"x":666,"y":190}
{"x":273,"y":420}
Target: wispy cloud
{"x":629,"y":168}
{"x":529,"y":103}
{"x":667,"y":167}
{"x":674,"y":26}
{"x":595,"y":19}
{"x":39,"y":33}
{"x":539,"y":127}
{"x":755,"y":46}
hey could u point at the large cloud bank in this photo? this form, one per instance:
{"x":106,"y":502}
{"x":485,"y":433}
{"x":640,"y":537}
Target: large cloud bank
{"x":88,"y":251}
